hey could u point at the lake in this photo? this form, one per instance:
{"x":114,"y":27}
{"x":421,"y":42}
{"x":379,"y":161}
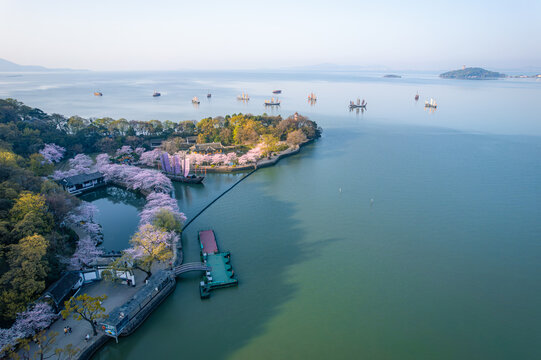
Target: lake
{"x":400,"y":234}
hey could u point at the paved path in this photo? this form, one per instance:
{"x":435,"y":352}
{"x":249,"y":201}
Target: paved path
{"x":117,"y":294}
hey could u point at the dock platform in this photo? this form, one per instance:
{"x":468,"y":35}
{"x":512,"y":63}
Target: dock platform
{"x":221,"y":273}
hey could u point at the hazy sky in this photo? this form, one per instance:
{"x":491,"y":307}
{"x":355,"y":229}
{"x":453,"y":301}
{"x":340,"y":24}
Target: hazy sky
{"x":229,"y":34}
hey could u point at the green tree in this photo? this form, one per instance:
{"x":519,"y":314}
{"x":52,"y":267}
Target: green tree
{"x":296,"y":137}
{"x":85,"y":307}
{"x":270,"y":143}
{"x":40,"y":166}
{"x":45,"y":344}
{"x":166,"y":220}
{"x":68,"y":352}
{"x":75,"y":124}
{"x":149,"y":245}
{"x":26,"y":203}
{"x":24,"y":281}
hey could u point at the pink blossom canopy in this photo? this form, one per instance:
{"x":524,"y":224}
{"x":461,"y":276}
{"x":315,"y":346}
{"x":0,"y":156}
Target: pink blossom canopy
{"x":52,"y":152}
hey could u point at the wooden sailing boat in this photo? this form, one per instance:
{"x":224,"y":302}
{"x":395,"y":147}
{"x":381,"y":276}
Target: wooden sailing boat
{"x":431,"y":104}
{"x":243,"y":97}
{"x":179,"y":170}
{"x":359,"y":104}
{"x":272,"y":102}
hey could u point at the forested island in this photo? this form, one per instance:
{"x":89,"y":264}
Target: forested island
{"x":41,"y":223}
{"x":473,"y":73}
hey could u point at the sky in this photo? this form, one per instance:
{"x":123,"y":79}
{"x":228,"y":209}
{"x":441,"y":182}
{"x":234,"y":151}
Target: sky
{"x":219,"y":34}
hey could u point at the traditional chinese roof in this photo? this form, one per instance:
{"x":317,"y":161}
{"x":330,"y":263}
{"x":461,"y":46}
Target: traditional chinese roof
{"x":207,"y":147}
{"x":59,"y":290}
{"x":81,"y":178}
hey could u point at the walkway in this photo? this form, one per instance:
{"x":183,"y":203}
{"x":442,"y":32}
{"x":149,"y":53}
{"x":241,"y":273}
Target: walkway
{"x":194,"y":266}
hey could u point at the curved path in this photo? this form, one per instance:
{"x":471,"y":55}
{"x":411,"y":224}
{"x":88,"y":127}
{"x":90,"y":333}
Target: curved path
{"x":194,"y":266}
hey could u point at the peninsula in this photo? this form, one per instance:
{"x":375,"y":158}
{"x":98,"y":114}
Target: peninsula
{"x":46,"y":160}
{"x":473,"y":73}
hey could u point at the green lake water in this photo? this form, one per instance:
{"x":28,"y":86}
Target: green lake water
{"x":400,"y":234}
{"x":443,"y":263}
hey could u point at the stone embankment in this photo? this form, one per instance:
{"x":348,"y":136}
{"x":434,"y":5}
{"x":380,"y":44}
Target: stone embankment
{"x":272,"y":160}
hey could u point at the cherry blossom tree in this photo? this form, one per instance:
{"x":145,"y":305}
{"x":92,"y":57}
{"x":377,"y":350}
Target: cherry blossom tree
{"x":251,"y":156}
{"x":157,"y":202}
{"x":136,"y":178}
{"x":139,"y":151}
{"x":8,"y":339}
{"x":59,"y":174}
{"x":149,"y":158}
{"x":86,"y":254}
{"x":83,"y":217}
{"x":52,"y":152}
{"x":231,"y":158}
{"x":150,"y":245}
{"x":102,"y":159}
{"x":82,"y":163}
{"x":32,"y":321}
{"x":124,"y":150}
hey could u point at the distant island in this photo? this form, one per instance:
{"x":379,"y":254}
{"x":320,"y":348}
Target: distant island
{"x":392,"y":76}
{"x":8,"y":66}
{"x":472,"y":74}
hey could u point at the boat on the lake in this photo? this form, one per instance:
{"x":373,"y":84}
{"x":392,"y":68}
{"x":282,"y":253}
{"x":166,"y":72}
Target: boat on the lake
{"x":417,"y":97}
{"x":195,"y":100}
{"x":277,"y":91}
{"x":156,"y":94}
{"x":312,"y":97}
{"x":209,"y":95}
{"x":358,"y":104}
{"x":431,"y":103}
{"x":179,"y":169}
{"x":98,"y":93}
{"x":243,"y":97}
{"x":272,"y":102}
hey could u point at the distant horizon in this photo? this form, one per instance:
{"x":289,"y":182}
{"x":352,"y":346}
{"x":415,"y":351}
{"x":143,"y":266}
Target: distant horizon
{"x":307,"y":68}
{"x":245,"y":35}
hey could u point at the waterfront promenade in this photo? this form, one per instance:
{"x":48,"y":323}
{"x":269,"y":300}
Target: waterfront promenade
{"x":117,"y":294}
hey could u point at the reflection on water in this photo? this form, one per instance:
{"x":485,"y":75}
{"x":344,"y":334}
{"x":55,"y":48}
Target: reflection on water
{"x":446,"y":248}
{"x":443,"y":263}
{"x":118,"y":214}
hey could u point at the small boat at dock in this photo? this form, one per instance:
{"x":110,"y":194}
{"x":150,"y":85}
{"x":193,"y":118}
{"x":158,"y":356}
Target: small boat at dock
{"x":178,"y":169}
{"x":195,"y":100}
{"x":156,"y":94}
{"x":98,"y":93}
{"x":190,"y":179}
{"x":272,"y":102}
{"x":277,"y":91}
{"x":431,"y":104}
{"x":358,"y":104}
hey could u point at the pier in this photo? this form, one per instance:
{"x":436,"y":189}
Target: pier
{"x":221,"y":273}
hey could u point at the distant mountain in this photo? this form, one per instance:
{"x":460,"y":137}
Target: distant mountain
{"x":472,"y":74}
{"x":9,"y":66}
